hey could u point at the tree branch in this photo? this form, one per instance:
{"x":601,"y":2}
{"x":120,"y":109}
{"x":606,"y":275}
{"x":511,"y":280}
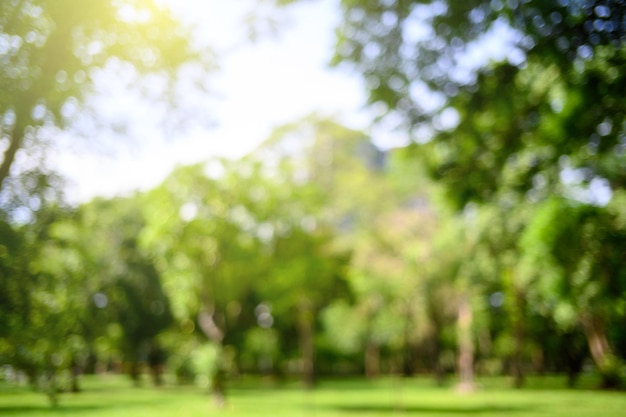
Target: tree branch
{"x":15,"y":143}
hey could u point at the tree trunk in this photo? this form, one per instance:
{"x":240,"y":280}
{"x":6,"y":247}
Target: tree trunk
{"x":218,"y":381}
{"x":466,"y":346}
{"x":519,"y":337}
{"x":407,"y":350}
{"x":156,"y":362}
{"x":574,"y":357}
{"x":51,"y":387}
{"x":307,"y":348}
{"x":15,"y":144}
{"x":372,"y":359}
{"x":209,"y":324}
{"x":607,"y":363}
{"x":135,"y":372}
{"x":75,"y":371}
{"x":438,"y":369}
{"x":574,"y":367}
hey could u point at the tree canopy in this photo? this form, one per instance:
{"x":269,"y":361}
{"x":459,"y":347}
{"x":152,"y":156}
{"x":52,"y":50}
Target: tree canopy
{"x":51,"y":53}
{"x":548,"y":99}
{"x":540,"y":117}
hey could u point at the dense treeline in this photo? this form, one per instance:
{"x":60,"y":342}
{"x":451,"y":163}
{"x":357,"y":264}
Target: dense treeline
{"x":310,"y":259}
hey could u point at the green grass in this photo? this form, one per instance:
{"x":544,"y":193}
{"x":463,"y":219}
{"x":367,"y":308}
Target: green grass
{"x":113,"y":396}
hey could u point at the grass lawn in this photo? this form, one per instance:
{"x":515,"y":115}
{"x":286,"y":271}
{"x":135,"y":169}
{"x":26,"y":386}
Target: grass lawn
{"x":113,"y":396}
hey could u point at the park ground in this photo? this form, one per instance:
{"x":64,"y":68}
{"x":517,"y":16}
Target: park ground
{"x":113,"y":396}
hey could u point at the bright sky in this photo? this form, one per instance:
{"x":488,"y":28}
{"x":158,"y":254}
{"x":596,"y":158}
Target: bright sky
{"x":258,"y":87}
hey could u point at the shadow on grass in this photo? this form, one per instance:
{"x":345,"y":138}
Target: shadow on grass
{"x":390,"y":409}
{"x":66,"y":407}
{"x":26,"y":409}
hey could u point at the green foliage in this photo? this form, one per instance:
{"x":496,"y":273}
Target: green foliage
{"x":204,"y":362}
{"x":82,"y":288}
{"x":531,"y":132}
{"x":261,"y":349}
{"x":576,"y":248}
{"x":40,"y":313}
{"x":206,"y":237}
{"x":345,"y":328}
{"x":242,"y":251}
{"x":552,"y":91}
{"x":52,"y":52}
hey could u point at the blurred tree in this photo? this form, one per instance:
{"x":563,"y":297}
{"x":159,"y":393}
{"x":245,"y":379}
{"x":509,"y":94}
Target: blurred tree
{"x":574,"y":252}
{"x":330,"y":166}
{"x":206,"y":227}
{"x":507,"y":103}
{"x":337,"y":163}
{"x":42,"y":312}
{"x":124,"y":285}
{"x":306,"y":274}
{"x":458,"y":269}
{"x":85,"y":280}
{"x":16,"y":305}
{"x":389,"y":276}
{"x":488,"y":255}
{"x":547,"y":99}
{"x":50,"y":52}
